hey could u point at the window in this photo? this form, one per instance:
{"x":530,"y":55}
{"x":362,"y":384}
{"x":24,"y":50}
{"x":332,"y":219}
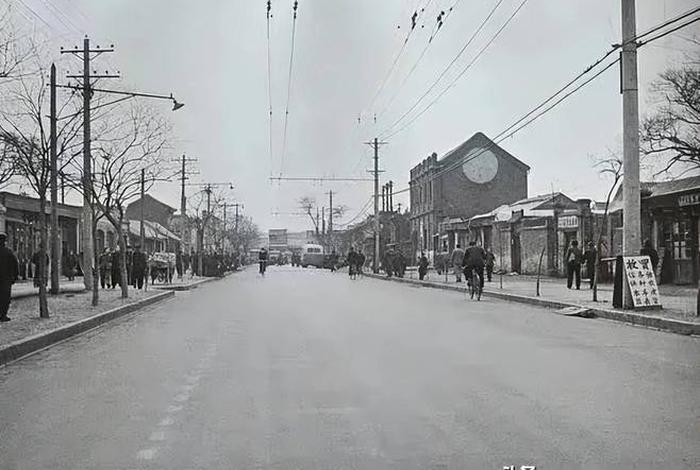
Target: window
{"x":678,"y":238}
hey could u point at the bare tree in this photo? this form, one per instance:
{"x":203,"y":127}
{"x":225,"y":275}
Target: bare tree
{"x":7,"y":163}
{"x":308,"y":204}
{"x":14,"y":52}
{"x":24,"y":133}
{"x":610,"y":166}
{"x":131,"y":142}
{"x":673,"y":131}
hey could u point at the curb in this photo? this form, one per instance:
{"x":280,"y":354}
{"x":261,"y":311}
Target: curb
{"x":35,"y":293}
{"x":192,"y":285}
{"x":659,"y":323}
{"x":32,"y":344}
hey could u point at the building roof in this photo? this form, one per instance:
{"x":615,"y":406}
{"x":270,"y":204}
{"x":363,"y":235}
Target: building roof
{"x":657,"y":188}
{"x":536,"y":206}
{"x":31,"y":204}
{"x":476,"y":141}
{"x":152,"y":230}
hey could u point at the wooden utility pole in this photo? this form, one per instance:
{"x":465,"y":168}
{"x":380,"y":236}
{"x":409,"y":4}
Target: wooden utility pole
{"x":87,"y":242}
{"x":55,"y":240}
{"x":631,"y":214}
{"x":184,"y":223}
{"x":375,"y":144}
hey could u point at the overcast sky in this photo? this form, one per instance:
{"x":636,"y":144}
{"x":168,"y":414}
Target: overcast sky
{"x":212,"y":54}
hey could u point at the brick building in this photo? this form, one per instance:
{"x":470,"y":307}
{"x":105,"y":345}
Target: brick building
{"x":473,"y":178}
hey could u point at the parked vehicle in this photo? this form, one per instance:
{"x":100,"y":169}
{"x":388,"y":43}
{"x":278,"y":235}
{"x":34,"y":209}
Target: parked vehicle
{"x":312,"y":255}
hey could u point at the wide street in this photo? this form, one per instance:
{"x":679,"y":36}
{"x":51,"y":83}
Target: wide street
{"x":305,"y":369}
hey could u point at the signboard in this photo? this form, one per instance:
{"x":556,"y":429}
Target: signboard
{"x":568,"y":221}
{"x":642,"y":282}
{"x":277,"y":237}
{"x":689,"y":199}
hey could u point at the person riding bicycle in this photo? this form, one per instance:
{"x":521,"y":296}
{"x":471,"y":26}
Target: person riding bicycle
{"x":474,"y":259}
{"x":262,"y":258}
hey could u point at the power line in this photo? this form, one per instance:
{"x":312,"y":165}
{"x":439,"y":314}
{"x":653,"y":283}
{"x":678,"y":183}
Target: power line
{"x":666,"y":33}
{"x":362,"y":212}
{"x":289,"y":86}
{"x":461,"y":73}
{"x":442,"y":17}
{"x":269,"y":80}
{"x":668,"y":23}
{"x":62,"y":17}
{"x":449,"y":66}
{"x":389,"y":72}
{"x":36,"y":15}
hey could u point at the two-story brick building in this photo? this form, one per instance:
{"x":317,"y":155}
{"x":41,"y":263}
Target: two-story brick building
{"x":474,"y":178}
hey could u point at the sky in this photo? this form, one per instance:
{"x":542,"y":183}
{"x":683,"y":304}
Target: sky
{"x":212,"y":55}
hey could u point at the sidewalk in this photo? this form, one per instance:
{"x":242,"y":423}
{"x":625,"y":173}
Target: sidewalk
{"x":22,"y":289}
{"x":678,"y":313}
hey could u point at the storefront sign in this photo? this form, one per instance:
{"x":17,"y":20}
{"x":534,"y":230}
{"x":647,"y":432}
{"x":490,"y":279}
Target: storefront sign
{"x":568,"y":221}
{"x":689,"y":199}
{"x":642,"y":282}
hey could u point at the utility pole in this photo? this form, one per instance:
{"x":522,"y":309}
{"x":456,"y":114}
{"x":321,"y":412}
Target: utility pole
{"x":223,"y":236}
{"x":184,"y":223}
{"x":142,"y":227}
{"x":63,"y":188}
{"x":87,"y":241}
{"x":375,"y":144}
{"x":55,"y":245}
{"x":630,"y":144}
{"x":390,"y":192}
{"x":330,"y":213}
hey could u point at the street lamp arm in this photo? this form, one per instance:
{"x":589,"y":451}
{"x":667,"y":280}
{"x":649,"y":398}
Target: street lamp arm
{"x":176,"y":105}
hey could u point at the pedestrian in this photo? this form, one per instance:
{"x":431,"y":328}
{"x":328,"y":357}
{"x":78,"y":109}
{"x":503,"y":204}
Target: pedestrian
{"x":9,"y":271}
{"x":178,"y":263}
{"x":573,"y":265}
{"x":116,"y":267}
{"x":352,"y":263}
{"x":106,"y":269}
{"x":360,"y":262}
{"x":39,"y":273}
{"x":138,"y":267}
{"x":422,"y":266}
{"x":490,"y":263}
{"x":456,"y":258}
{"x":388,"y":262}
{"x":71,"y":265}
{"x":650,"y":251}
{"x":400,"y":263}
{"x":589,"y":257}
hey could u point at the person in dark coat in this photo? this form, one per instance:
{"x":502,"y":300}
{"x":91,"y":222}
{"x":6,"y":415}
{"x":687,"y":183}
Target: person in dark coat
{"x":71,"y":265}
{"x":39,"y":274}
{"x":352,"y":263}
{"x":490,"y":263}
{"x":179,"y":263}
{"x":360,"y":262}
{"x":138,"y":267}
{"x":105,"y":269}
{"x":116,"y":268}
{"x":422,"y":266}
{"x":9,"y":270}
{"x":650,"y":251}
{"x":573,"y":265}
{"x":589,"y":257}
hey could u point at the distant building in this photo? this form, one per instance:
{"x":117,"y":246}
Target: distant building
{"x":474,"y":178}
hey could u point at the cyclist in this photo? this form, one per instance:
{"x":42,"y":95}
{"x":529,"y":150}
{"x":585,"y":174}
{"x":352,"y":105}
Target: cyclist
{"x":474,"y":259}
{"x":262,"y":259}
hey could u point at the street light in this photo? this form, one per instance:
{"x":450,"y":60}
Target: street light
{"x":128,"y":94}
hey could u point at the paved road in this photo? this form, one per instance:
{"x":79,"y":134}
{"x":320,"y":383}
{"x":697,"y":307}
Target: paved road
{"x":308,"y":370}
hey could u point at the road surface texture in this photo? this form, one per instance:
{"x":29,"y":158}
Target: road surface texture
{"x":305,"y":369}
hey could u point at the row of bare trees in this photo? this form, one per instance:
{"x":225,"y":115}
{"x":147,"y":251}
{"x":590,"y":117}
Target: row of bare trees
{"x":129,"y":145}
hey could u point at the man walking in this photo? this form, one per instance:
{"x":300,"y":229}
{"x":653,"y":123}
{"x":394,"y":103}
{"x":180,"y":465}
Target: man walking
{"x":573,"y":265}
{"x":138,"y":267}
{"x":456,"y":258}
{"x":490,"y":263}
{"x":589,"y":257}
{"x":9,"y":270}
{"x":422,"y":266}
{"x":106,"y":269}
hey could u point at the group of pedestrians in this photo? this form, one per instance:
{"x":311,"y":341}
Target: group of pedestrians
{"x":110,"y":264}
{"x":356,"y":261}
{"x":394,"y":263}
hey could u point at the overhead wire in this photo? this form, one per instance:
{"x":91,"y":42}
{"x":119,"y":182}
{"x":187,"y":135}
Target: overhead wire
{"x":269,"y":82}
{"x":362,"y":211}
{"x":64,"y":19}
{"x":449,"y":65}
{"x":391,"y":69}
{"x":441,"y":19}
{"x":512,"y":129}
{"x":289,"y":86}
{"x":388,"y":134}
{"x":36,"y":15}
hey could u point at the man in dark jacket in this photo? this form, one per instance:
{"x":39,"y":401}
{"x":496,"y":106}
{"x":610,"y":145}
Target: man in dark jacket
{"x":9,"y":270}
{"x":589,"y":257}
{"x":116,"y":268}
{"x":138,"y":267}
{"x":650,"y":251}
{"x":422,"y":266}
{"x":573,"y":265}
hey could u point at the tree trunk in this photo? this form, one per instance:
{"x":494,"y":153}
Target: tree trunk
{"x":95,"y":274}
{"x":43,"y":302}
{"x":122,"y":268}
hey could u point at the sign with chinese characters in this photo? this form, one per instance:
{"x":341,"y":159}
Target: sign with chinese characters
{"x":642,"y":282}
{"x":689,"y":199}
{"x":568,"y":221}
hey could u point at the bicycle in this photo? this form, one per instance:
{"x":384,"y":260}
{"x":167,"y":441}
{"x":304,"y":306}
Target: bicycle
{"x":475,"y":285}
{"x":263,"y":267}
